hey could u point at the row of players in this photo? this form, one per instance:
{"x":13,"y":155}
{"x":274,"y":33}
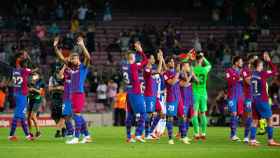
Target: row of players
{"x":174,"y":89}
{"x":178,"y":90}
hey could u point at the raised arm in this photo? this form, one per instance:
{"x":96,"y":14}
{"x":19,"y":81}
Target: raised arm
{"x":81,"y":43}
{"x":58,"y":51}
{"x":160,"y":57}
{"x":61,"y":72}
{"x":273,"y":67}
{"x":208,"y":66}
{"x":139,"y":50}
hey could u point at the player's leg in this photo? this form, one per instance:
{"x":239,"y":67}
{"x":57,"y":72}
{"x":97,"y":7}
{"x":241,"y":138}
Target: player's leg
{"x":150,"y":109}
{"x":195,"y":116}
{"x":79,"y":105}
{"x":171,"y":112}
{"x":248,"y":119}
{"x":129,"y":121}
{"x":12,"y":136}
{"x":69,"y":126}
{"x":67,"y":116}
{"x":34,"y":112}
{"x":204,"y":120}
{"x":77,"y":108}
{"x":138,"y":105}
{"x":29,"y":118}
{"x":232,"y":105}
{"x":266,"y":112}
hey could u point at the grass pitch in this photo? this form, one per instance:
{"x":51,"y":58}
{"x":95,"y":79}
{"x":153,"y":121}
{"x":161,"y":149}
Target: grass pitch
{"x":109,"y":142}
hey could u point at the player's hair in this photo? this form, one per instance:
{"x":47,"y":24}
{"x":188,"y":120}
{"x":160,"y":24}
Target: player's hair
{"x":257,"y":62}
{"x":199,"y":56}
{"x":74,"y":54}
{"x":169,"y":58}
{"x":236,"y":59}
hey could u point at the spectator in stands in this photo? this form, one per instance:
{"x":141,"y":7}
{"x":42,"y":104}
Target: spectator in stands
{"x":102,"y":94}
{"x":107,"y":12}
{"x":274,"y":90}
{"x":215,"y":16}
{"x":124,"y":41}
{"x":2,"y":23}
{"x":82,"y":13}
{"x":25,"y":24}
{"x":228,"y":8}
{"x":226,"y":57}
{"x":3,"y":91}
{"x":112,"y":91}
{"x":40,"y":31}
{"x":75,"y":25}
{"x":54,"y":30}
{"x":265,"y":24}
{"x":196,"y":43}
{"x":60,"y":12}
{"x":275,"y":54}
{"x":94,"y":80}
{"x":90,"y":36}
{"x":221,"y":102}
{"x":119,"y":108}
{"x":252,"y":14}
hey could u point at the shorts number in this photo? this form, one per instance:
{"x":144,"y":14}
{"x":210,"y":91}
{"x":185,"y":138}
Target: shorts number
{"x":126,"y":78}
{"x":17,"y":80}
{"x":171,"y":108}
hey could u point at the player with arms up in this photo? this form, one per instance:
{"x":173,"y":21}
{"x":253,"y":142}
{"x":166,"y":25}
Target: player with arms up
{"x":200,"y":95}
{"x":135,"y":98}
{"x":260,"y":105}
{"x":78,"y":75}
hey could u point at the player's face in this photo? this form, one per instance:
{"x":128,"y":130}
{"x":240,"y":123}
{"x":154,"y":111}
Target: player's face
{"x":152,"y":59}
{"x":239,"y":63}
{"x":35,"y":77}
{"x":260,"y":66}
{"x":131,"y":58}
{"x":186,"y":67}
{"x":171,"y":63}
{"x":75,"y":60}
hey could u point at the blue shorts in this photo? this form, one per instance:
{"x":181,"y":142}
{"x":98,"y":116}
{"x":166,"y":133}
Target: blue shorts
{"x":150,"y":104}
{"x":171,"y":108}
{"x":261,"y":109}
{"x":67,"y":108}
{"x":137,"y":103}
{"x":236,"y":105}
{"x":21,"y":103}
{"x":248,"y":105}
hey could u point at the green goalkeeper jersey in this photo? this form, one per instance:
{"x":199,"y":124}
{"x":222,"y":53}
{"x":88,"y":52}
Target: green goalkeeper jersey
{"x":201,"y":72}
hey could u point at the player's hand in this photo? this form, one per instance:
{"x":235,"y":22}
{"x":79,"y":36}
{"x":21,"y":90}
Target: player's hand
{"x":138,"y":46}
{"x":178,"y":68}
{"x":55,"y":42}
{"x":80,"y":41}
{"x":266,"y":57}
{"x":202,"y":54}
